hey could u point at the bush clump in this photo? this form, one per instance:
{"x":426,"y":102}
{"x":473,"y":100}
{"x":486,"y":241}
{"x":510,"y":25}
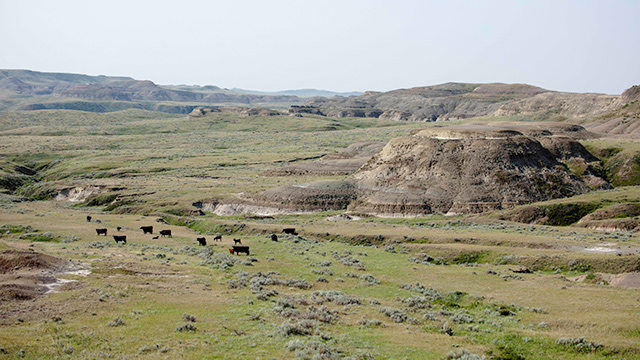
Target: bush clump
{"x":313,"y":350}
{"x":463,"y":354}
{"x":115,"y":322}
{"x":186,"y":327}
{"x":397,"y":316}
{"x":188,"y":317}
{"x":337,"y":297}
{"x":302,"y":327}
{"x":40,"y":237}
{"x":579,"y":344}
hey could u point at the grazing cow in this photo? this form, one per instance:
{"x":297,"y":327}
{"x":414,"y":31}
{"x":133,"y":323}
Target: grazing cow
{"x":119,"y":228}
{"x":291,"y":231}
{"x":239,"y":249}
{"x":161,"y":220}
{"x":202,"y":241}
{"x":274,"y":237}
{"x":237,"y":241}
{"x":217,"y":238}
{"x":164,"y":233}
{"x":101,"y":231}
{"x":147,"y":229}
{"x":88,"y":218}
{"x":119,"y":238}
{"x":155,"y":237}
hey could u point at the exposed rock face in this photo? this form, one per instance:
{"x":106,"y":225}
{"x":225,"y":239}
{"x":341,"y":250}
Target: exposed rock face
{"x":428,"y":103}
{"x":78,"y":194}
{"x":624,"y":120}
{"x":456,"y":169}
{"x":462,"y":170}
{"x":317,"y":196}
{"x":612,"y":114}
{"x":567,"y":104}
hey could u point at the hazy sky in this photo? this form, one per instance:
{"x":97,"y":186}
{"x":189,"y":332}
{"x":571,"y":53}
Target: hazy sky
{"x":342,"y":45}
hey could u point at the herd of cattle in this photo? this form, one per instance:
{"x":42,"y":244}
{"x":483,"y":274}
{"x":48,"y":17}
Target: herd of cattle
{"x":202,"y":241}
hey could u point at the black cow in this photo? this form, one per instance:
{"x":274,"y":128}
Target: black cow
{"x":202,"y":241}
{"x":119,"y":228}
{"x":165,"y":233}
{"x":147,"y":229}
{"x":274,"y":237}
{"x":155,"y":237}
{"x":217,"y":238}
{"x":291,"y":231}
{"x":88,"y":218}
{"x":119,"y":238}
{"x":239,"y":249}
{"x":101,"y":231}
{"x":237,"y":241}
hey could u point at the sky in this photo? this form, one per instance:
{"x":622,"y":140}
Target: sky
{"x":338,"y":45}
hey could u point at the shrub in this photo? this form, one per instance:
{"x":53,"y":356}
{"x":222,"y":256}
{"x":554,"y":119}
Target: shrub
{"x":579,"y":344}
{"x":299,"y":283}
{"x":369,"y":279}
{"x":40,"y":237}
{"x":115,"y":322}
{"x":313,"y":350}
{"x":397,"y":316}
{"x":302,"y":327}
{"x":322,"y":272}
{"x":186,"y":327}
{"x":463,"y":354}
{"x":188,"y":317}
{"x":428,"y":292}
{"x":264,"y":295}
{"x":336,"y":297}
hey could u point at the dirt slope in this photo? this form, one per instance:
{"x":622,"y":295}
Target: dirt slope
{"x":454,"y":169}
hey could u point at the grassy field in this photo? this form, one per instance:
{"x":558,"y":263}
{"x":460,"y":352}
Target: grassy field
{"x":375,"y":288}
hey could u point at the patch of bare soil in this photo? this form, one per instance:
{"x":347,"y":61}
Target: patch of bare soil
{"x":25,"y":275}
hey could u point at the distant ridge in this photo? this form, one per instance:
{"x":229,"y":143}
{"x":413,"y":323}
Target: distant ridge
{"x":458,"y":101}
{"x":304,"y":92}
{"x":33,"y":90}
{"x":614,"y":114}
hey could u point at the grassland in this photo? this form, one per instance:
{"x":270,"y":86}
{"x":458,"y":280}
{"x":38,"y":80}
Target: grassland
{"x":373,"y":288}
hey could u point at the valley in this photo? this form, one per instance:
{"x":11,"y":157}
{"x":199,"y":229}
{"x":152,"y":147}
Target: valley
{"x":553,"y":274}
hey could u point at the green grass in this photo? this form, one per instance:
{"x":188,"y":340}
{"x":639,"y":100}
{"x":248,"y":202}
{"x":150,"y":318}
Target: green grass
{"x":131,"y":286}
{"x":161,"y":164}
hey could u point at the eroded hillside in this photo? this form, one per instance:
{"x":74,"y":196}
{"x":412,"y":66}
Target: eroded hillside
{"x":448,"y":170}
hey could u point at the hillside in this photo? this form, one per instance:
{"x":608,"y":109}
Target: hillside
{"x":451,"y":170}
{"x":31,"y":90}
{"x":452,"y":101}
{"x":347,"y":285}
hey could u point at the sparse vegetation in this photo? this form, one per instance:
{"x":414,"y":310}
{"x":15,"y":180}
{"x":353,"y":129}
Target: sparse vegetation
{"x":415,"y":288}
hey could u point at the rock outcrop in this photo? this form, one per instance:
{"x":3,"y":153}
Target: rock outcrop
{"x":598,"y":112}
{"x":448,"y":170}
{"x":465,"y":169}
